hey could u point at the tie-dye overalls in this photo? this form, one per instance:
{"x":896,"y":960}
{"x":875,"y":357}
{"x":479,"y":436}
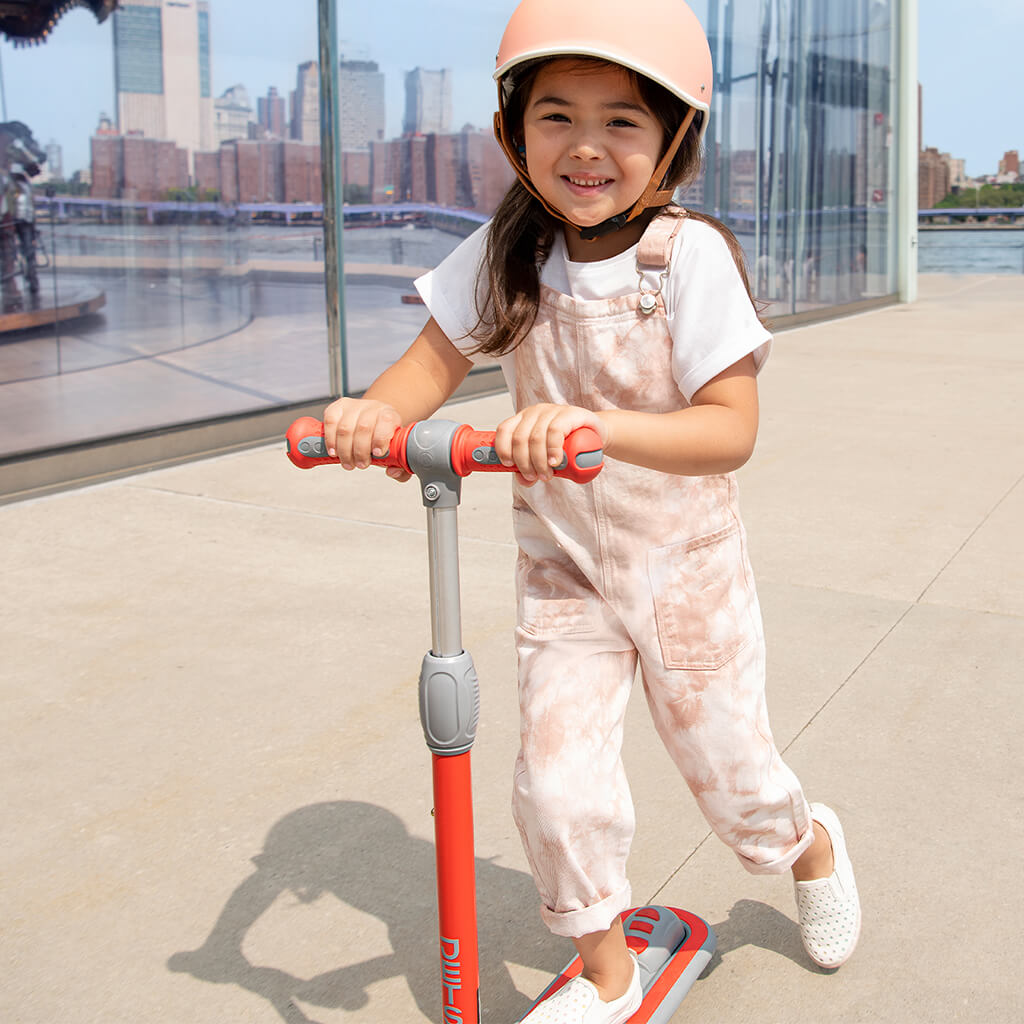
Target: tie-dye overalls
{"x":636,"y":564}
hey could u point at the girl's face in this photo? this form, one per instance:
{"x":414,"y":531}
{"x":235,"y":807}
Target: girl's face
{"x":592,"y":145}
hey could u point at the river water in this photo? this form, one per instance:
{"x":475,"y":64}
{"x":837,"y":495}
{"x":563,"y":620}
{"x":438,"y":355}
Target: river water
{"x":257,"y":336}
{"x":411,"y":246}
{"x":940,"y":250}
{"x":970,"y":251}
{"x":963,"y":251}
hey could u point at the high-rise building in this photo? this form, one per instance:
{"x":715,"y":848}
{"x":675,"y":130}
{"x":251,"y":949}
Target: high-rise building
{"x":306,"y":103}
{"x":270,"y":114}
{"x":232,"y":113}
{"x":54,"y":161}
{"x":162,"y":71}
{"x":1010,"y":164}
{"x":361,"y":84}
{"x":428,"y":102}
{"x":957,"y":172}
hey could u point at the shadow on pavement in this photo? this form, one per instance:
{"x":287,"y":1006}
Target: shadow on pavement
{"x":364,"y":856}
{"x":751,"y":923}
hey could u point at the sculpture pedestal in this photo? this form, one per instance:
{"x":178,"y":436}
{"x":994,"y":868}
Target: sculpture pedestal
{"x":40,"y":310}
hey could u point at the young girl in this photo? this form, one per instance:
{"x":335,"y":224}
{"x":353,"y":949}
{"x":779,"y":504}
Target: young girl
{"x":609,"y":307}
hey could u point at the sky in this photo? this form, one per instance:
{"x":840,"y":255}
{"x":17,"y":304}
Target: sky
{"x":969,"y":69}
{"x":968,"y":65}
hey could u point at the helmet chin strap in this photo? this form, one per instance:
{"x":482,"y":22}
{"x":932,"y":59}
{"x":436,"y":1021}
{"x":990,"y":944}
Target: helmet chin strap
{"x":652,"y":195}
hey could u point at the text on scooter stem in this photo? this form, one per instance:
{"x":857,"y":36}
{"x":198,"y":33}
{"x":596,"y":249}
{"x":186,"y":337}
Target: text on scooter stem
{"x":451,"y":980}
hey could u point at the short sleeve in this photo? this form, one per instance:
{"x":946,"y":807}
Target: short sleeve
{"x":711,"y":319}
{"x":449,"y":291}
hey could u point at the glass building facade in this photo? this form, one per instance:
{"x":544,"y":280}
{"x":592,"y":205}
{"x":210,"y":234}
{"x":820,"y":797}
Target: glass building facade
{"x":204,"y":52}
{"x":801,"y":159}
{"x":138,"y":50}
{"x":184,"y":296}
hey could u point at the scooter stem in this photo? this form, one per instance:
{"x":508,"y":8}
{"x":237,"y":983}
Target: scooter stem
{"x":449,"y":710}
{"x":445,"y":602}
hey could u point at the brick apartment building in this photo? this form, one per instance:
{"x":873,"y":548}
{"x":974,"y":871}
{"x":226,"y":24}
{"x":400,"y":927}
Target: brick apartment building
{"x":933,"y":178}
{"x":465,"y":169}
{"x":133,"y":167}
{"x":262,"y":171}
{"x":355,"y":170}
{"x":487,"y":172}
{"x":1009,"y":166}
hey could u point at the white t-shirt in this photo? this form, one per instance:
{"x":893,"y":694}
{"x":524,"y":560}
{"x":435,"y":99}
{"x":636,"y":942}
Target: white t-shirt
{"x":710,"y":318}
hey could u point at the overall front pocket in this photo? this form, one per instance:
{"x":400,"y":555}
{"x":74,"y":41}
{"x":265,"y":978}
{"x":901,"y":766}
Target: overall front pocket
{"x":554,"y":597}
{"x":703,"y":599}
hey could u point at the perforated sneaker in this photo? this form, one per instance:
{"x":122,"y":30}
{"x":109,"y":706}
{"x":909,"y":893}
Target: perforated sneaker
{"x":829,"y":908}
{"x":578,"y":1003}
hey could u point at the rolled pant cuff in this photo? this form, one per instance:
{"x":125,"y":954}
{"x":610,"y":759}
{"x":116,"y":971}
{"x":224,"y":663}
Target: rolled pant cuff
{"x":574,"y":924}
{"x":783,"y":863}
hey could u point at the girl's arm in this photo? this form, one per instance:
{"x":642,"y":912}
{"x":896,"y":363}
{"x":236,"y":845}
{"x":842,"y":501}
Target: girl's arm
{"x":715,"y":435}
{"x":413,"y":388}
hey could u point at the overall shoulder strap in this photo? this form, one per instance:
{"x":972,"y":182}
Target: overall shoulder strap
{"x":655,"y":249}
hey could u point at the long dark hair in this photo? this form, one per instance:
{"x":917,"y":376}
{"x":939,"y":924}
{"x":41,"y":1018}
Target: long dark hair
{"x":522,"y":231}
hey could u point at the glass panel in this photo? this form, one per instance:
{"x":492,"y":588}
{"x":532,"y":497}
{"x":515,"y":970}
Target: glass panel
{"x":800,"y":152}
{"x":800,"y":155}
{"x":177,"y":221}
{"x":421,"y":167}
{"x":180,"y":256}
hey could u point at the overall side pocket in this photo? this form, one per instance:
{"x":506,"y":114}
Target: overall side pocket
{"x":703,"y":600}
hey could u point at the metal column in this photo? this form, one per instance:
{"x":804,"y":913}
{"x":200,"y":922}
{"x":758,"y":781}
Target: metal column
{"x":333,"y":189}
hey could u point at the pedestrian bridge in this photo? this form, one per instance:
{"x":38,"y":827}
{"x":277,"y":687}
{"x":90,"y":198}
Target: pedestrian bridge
{"x":962,"y":214}
{"x":355,"y":214}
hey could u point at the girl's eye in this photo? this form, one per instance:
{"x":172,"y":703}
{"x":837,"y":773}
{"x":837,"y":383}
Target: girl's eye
{"x":554,"y":117}
{"x":622,"y":122}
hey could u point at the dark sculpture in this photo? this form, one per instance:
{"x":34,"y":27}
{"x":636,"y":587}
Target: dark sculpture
{"x":30,"y":21}
{"x":25,"y":22}
{"x":21,"y":158}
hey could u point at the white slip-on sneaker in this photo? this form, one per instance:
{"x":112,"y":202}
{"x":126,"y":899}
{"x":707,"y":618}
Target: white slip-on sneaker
{"x":829,"y":908}
{"x":578,"y":1003}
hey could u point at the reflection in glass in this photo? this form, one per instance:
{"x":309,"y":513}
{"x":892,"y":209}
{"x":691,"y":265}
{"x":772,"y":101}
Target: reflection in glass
{"x":193,"y":207}
{"x":191,"y":219}
{"x":801,"y":159}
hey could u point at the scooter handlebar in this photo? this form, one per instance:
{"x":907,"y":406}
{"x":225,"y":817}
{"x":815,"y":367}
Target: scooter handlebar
{"x":472,"y":451}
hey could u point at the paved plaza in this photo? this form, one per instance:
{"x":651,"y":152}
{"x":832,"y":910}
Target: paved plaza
{"x":215,"y":791}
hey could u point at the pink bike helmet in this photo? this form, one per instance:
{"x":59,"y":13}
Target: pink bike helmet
{"x":666,"y":44}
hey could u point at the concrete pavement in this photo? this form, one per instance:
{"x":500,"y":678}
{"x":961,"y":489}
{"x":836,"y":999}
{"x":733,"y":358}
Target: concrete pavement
{"x":215,"y":791}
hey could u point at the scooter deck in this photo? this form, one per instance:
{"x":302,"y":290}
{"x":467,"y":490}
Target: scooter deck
{"x":672,"y":947}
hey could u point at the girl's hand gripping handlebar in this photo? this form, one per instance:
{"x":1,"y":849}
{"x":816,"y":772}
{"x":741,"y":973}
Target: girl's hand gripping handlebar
{"x":471,"y":451}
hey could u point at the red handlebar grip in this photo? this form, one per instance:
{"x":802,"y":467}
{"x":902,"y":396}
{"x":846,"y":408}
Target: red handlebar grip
{"x":473,"y":452}
{"x":304,"y":443}
{"x":584,"y":456}
{"x":305,"y":446}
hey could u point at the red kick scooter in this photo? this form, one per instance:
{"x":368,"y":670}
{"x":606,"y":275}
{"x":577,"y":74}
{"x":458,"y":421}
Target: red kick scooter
{"x":673,"y":946}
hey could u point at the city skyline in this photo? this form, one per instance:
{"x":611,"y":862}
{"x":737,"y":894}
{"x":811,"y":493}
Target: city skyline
{"x":240,"y":55}
{"x":969,"y":109}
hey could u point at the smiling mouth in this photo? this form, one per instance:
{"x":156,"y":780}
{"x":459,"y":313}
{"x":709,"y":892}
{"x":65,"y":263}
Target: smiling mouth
{"x":586,"y":182}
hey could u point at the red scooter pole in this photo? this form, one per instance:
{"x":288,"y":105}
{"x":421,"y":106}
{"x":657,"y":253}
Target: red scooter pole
{"x":440,"y":454}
